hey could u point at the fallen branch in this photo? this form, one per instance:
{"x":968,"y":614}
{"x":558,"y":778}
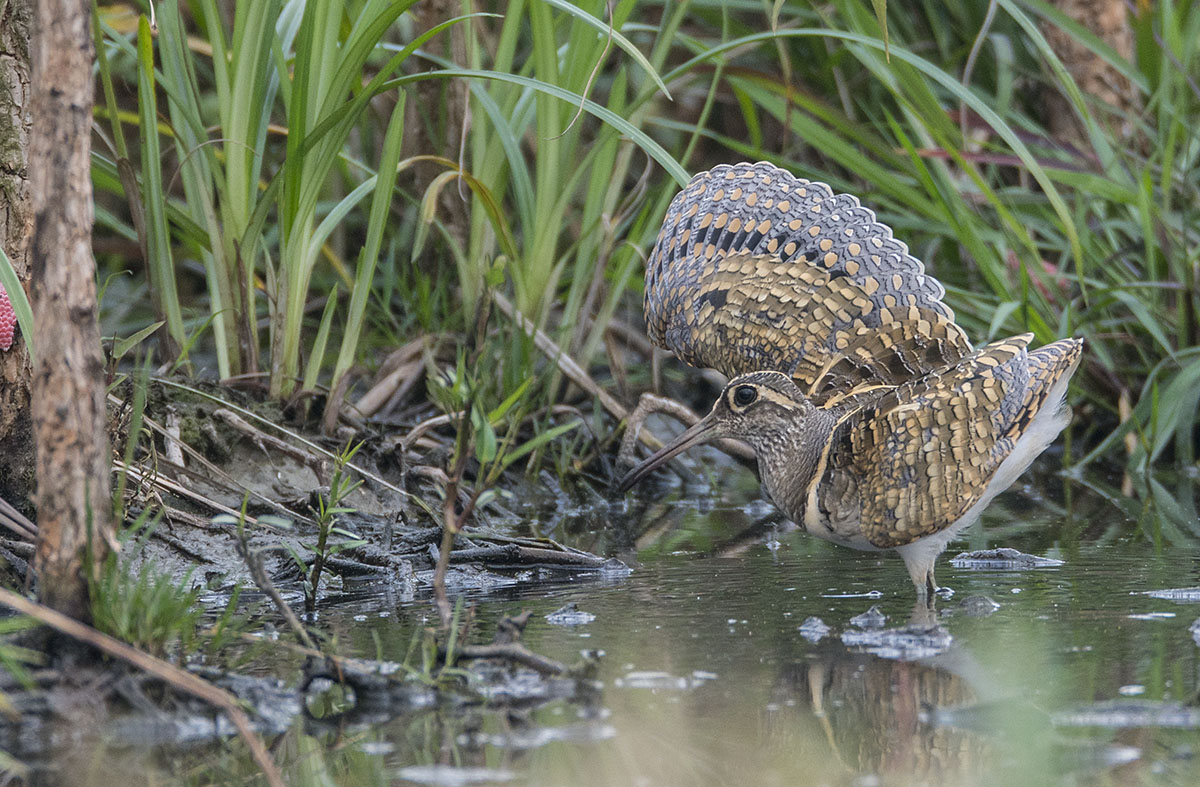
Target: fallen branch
{"x":515,"y":554}
{"x":506,"y":644}
{"x":15,"y":521}
{"x":253,"y":561}
{"x":512,"y":651}
{"x":180,"y":679}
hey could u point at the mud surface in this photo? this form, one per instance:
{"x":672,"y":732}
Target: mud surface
{"x":706,"y":642}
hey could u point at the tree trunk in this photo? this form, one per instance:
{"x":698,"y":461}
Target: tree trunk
{"x":73,"y":496}
{"x":16,"y":427}
{"x":434,"y":123}
{"x":1108,"y":19}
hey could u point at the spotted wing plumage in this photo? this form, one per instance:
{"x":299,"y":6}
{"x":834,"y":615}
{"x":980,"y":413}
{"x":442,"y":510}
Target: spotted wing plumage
{"x":755,"y":269}
{"x":913,"y":462}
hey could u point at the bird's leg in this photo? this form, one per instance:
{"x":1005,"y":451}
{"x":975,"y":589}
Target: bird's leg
{"x":926,"y":590}
{"x":926,"y":585}
{"x":920,"y":558}
{"x":924,"y":613}
{"x":934,"y":589}
{"x":919,"y":563}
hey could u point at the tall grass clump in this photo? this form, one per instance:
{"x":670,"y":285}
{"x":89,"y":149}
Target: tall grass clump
{"x":941,"y":127}
{"x":271,"y":158}
{"x":259,"y":139}
{"x":260,"y":198}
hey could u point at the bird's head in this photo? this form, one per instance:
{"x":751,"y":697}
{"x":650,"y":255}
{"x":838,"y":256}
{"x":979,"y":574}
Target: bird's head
{"x":765,"y":409}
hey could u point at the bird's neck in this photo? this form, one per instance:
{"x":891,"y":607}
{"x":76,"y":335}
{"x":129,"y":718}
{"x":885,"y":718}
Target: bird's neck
{"x":788,"y":459}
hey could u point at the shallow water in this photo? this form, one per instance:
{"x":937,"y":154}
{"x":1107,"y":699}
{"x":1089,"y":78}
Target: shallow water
{"x":713,"y":673}
{"x":707,"y":678}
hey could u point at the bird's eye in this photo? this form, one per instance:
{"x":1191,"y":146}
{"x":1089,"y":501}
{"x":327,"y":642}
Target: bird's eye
{"x":744,"y":395}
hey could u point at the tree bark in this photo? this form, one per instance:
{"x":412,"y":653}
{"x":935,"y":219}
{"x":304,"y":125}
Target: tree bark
{"x":16,"y":426}
{"x":1109,"y":20}
{"x":73,"y":495}
{"x":433,"y":124}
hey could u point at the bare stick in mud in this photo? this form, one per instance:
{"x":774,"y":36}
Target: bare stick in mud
{"x":258,"y":573}
{"x":169,"y":673}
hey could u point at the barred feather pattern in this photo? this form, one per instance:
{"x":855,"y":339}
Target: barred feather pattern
{"x":916,"y":460}
{"x":757,"y":269}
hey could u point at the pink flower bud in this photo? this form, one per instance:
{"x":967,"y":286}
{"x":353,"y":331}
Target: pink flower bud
{"x":8,"y":320}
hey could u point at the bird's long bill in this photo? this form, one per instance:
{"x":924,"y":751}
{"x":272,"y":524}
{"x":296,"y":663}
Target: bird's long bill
{"x":699,"y":433}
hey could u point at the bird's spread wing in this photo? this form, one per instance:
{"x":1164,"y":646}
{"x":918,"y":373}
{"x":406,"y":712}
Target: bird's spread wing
{"x":916,"y":460}
{"x":755,"y":269}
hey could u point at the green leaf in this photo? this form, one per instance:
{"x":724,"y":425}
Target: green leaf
{"x":160,"y":261}
{"x":620,"y":40}
{"x":538,"y":441}
{"x":317,"y":357}
{"x":122,"y":346}
{"x":880,"y":7}
{"x":485,"y":437}
{"x":502,"y":409}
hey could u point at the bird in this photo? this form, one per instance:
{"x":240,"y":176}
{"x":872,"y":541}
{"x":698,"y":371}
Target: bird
{"x":875,"y":422}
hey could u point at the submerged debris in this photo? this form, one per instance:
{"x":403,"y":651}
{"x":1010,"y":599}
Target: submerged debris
{"x":1173,"y":594}
{"x":570,"y":615}
{"x":905,"y":643}
{"x":873,"y":618}
{"x":814,"y":629}
{"x":978,"y":606}
{"x":655,"y":680}
{"x":1002,"y":558}
{"x":1125,"y":714}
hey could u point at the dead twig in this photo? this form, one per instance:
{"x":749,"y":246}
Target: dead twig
{"x":173,"y":450}
{"x":513,"y":651}
{"x":399,"y":370}
{"x":215,"y":473}
{"x":310,"y":445}
{"x":180,"y":679}
{"x":381,"y":393}
{"x":649,"y":404}
{"x":166,"y":484}
{"x":15,"y":521}
{"x":269,"y":441}
{"x":630,"y":336}
{"x":335,"y":401}
{"x":581,"y":378}
{"x":566,"y":364}
{"x":451,"y":523}
{"x":429,"y":423}
{"x":253,"y":560}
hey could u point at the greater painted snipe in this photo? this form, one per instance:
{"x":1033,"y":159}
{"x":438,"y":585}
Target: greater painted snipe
{"x":875,"y":422}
